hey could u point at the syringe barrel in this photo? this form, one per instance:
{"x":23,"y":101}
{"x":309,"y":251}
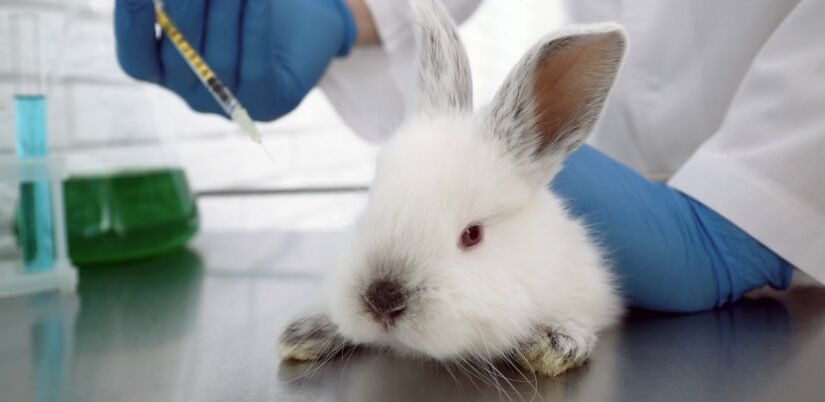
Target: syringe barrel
{"x":217,"y":88}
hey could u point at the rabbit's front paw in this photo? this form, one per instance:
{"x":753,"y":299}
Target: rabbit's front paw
{"x":311,"y":337}
{"x":553,"y":350}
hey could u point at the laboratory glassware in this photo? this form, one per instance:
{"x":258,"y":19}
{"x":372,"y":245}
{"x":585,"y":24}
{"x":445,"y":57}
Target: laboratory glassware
{"x":30,"y":178}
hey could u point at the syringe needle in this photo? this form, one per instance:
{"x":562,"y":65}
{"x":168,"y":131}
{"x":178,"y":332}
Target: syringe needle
{"x":246,"y":124}
{"x":266,"y":150}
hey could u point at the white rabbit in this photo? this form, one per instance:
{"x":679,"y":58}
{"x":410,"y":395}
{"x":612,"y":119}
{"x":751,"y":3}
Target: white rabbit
{"x":462,"y":252}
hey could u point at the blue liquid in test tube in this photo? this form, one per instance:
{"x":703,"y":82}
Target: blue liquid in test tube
{"x":35,"y":218}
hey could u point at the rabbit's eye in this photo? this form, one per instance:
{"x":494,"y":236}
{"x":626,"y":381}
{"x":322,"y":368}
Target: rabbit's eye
{"x":471,"y":236}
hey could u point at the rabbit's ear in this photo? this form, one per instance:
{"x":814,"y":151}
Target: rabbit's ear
{"x":550,"y":101}
{"x":444,"y":80}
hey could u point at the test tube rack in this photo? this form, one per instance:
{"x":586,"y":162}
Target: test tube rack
{"x":14,"y":280}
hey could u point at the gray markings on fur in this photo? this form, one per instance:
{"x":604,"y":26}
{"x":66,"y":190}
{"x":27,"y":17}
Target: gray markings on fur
{"x":444,"y":79}
{"x":391,"y":260}
{"x":316,"y":337}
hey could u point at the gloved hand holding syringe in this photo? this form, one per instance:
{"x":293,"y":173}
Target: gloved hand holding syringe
{"x":268,"y":53}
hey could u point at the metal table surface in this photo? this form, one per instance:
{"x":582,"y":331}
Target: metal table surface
{"x":201,"y":325}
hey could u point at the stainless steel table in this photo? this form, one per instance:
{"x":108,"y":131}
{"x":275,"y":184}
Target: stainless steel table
{"x":201,"y":325}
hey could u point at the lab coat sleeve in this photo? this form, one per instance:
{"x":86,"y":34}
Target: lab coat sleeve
{"x":764,"y":169}
{"x":372,"y":88}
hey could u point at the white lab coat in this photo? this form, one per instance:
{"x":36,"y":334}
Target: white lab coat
{"x":725,"y":100}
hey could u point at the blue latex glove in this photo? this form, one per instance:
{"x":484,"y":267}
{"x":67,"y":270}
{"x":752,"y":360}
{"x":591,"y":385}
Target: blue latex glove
{"x":269,"y":53}
{"x":671,"y":253}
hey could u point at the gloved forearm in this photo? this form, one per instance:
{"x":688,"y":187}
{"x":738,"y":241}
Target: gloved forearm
{"x":671,"y":253}
{"x":270,"y":53}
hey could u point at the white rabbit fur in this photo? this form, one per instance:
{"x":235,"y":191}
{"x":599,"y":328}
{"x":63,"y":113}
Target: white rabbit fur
{"x":536,"y":288}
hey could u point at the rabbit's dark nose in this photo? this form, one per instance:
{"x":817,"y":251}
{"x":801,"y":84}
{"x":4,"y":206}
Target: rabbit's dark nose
{"x":386,"y":301}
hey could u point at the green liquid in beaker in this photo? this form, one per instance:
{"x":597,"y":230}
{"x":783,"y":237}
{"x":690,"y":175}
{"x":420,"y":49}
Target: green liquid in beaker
{"x":129,"y":215}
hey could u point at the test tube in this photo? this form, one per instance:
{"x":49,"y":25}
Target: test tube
{"x":34,"y":220}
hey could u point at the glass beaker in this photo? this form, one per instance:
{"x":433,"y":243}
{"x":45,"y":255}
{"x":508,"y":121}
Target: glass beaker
{"x":129,"y":214}
{"x":126,"y":197}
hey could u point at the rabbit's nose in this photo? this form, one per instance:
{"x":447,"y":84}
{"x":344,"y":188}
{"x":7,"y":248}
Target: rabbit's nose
{"x":386,"y":300}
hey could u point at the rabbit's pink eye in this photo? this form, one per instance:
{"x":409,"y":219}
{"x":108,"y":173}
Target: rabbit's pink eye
{"x":471,"y":236}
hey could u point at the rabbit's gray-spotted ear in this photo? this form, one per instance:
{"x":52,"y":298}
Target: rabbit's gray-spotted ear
{"x":444,"y":80}
{"x":550,"y":101}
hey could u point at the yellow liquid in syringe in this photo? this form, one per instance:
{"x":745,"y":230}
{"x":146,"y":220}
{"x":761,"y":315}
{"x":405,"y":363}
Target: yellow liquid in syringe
{"x":213,"y":84}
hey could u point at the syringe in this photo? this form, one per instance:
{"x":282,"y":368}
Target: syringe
{"x":219,"y":91}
